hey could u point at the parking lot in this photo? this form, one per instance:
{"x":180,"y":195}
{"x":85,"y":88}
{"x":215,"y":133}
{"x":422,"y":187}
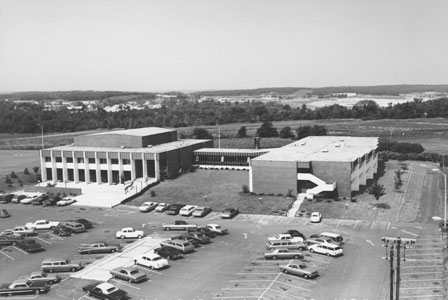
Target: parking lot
{"x":232,"y":266}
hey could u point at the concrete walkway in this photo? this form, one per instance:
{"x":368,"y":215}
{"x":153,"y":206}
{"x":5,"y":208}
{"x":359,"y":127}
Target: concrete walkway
{"x":296,"y":205}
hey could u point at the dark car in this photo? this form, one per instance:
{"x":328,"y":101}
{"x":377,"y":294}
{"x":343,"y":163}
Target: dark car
{"x":205,"y":230}
{"x":187,"y":238}
{"x":4,"y":213}
{"x":4,"y":199}
{"x":51,"y":201}
{"x":10,"y":240}
{"x":229,"y":213}
{"x":295,"y":233}
{"x":62,"y":230}
{"x":39,"y":200}
{"x":105,"y":290}
{"x":87,"y":224}
{"x":30,"y":245}
{"x":174,"y":209}
{"x":168,"y":252}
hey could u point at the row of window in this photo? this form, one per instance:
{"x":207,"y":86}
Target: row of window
{"x":80,"y":160}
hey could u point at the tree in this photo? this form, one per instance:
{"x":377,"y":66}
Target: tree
{"x":267,"y":130}
{"x":398,"y":182}
{"x":242,"y":132}
{"x":13,"y":175}
{"x":303,"y":131}
{"x":26,"y":172}
{"x":201,"y":133}
{"x":36,"y":169}
{"x":377,"y":190}
{"x":318,"y":130}
{"x":286,"y":133}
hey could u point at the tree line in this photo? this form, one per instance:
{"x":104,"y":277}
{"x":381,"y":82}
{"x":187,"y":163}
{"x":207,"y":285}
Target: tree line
{"x":25,"y":117}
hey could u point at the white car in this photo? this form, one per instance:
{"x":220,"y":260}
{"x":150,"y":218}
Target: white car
{"x":217,"y":229}
{"x":187,"y":210}
{"x":42,"y":224}
{"x":286,"y":237}
{"x":161,"y":207}
{"x":316,"y":217}
{"x":327,"y":249}
{"x":28,"y":200}
{"x":65,"y":201}
{"x":129,"y":233}
{"x":147,"y":206}
{"x":152,"y":261}
{"x":23,"y":230}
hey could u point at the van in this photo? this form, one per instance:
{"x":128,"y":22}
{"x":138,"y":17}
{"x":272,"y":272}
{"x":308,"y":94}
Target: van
{"x":187,"y":210}
{"x":327,"y":249}
{"x":285,"y":244}
{"x":336,"y":237}
{"x":183,"y":246}
{"x":75,"y":227}
{"x":59,"y":265}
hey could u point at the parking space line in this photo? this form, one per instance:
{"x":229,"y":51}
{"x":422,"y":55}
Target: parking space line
{"x":270,"y":285}
{"x":388,"y":225}
{"x":55,"y":236}
{"x":237,"y":297}
{"x":425,"y":296}
{"x":310,"y":281}
{"x":126,"y":284}
{"x":294,"y":286}
{"x":418,"y":288}
{"x":248,"y":288}
{"x":409,"y":267}
{"x":356,"y":223}
{"x":18,"y":249}
{"x":339,"y":222}
{"x":420,"y":273}
{"x":289,"y":295}
{"x":373,"y":225}
{"x":261,"y":267}
{"x":418,"y":280}
{"x":248,"y":273}
{"x":414,"y":234}
{"x":6,"y":255}
{"x":147,"y":269}
{"x":249,"y":280}
{"x":43,"y":240}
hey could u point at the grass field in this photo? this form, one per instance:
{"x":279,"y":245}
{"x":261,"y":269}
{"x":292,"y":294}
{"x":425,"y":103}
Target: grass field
{"x":222,"y":188}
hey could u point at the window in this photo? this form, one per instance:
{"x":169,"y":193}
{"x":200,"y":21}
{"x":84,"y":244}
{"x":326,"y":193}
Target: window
{"x":47,"y":159}
{"x":58,"y":159}
{"x":114,"y":161}
{"x":91,"y":160}
{"x":80,"y":160}
{"x":69,"y":159}
{"x":103,"y":161}
{"x":126,"y":161}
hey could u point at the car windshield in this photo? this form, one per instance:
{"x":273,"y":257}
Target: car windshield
{"x":111,"y":289}
{"x":133,"y":272}
{"x":218,"y":227}
{"x":156,"y":258}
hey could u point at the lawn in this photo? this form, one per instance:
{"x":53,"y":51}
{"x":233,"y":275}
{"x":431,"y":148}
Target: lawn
{"x":405,"y":204}
{"x":218,"y":189}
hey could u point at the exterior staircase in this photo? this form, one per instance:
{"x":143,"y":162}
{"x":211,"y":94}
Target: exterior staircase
{"x":321,"y":186}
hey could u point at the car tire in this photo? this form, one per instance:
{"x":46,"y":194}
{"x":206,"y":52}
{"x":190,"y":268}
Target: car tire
{"x":52,"y":227}
{"x":89,"y":293}
{"x":73,"y":269}
{"x":327,"y":254}
{"x":130,"y":280}
{"x":306,"y":276}
{"x":285,"y":271}
{"x":311,"y":250}
{"x":139,"y":236}
{"x":51,"y":270}
{"x":296,"y":257}
{"x":274,"y":257}
{"x":112,"y":250}
{"x":50,"y":281}
{"x":122,"y":237}
{"x":14,"y":243}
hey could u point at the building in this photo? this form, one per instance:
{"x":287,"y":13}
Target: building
{"x":116,"y":156}
{"x":316,"y":164}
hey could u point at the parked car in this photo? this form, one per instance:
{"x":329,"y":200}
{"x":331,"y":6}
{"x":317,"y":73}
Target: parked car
{"x":285,"y":236}
{"x":105,"y":290}
{"x":217,"y":229}
{"x":131,"y":274}
{"x":4,"y":199}
{"x":161,"y":207}
{"x":336,"y":237}
{"x":17,"y":198}
{"x":229,"y":213}
{"x":52,"y":201}
{"x":327,"y":249}
{"x":39,"y":200}
{"x":283,"y":254}
{"x":285,"y":244}
{"x":188,"y":239}
{"x":316,"y":217}
{"x":205,"y":230}
{"x":40,"y":276}
{"x":129,"y":233}
{"x":30,"y":245}
{"x":27,"y":200}
{"x":75,"y":227}
{"x":300,"y":270}
{"x":10,"y":240}
{"x":168,"y":252}
{"x":183,"y":246}
{"x":4,"y":213}
{"x":147,"y":206}
{"x":24,"y":230}
{"x":42,"y":224}
{"x":23,"y":287}
{"x":201,"y":211}
{"x":295,"y":233}
{"x":318,"y":240}
{"x":151,"y":260}
{"x":187,"y":210}
{"x":87,"y":224}
{"x":62,"y":230}
{"x":98,"y":247}
{"x":198,"y":236}
{"x":59,"y":265}
{"x":65,"y":201}
{"x":174,"y":209}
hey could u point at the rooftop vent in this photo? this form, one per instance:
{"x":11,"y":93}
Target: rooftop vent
{"x":303,"y":143}
{"x":149,"y":146}
{"x":337,"y":145}
{"x":341,"y":139}
{"x":324,"y":150}
{"x":122,"y":147}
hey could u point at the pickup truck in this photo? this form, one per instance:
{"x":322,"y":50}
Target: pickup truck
{"x":23,"y":287}
{"x":179,"y":225}
{"x":42,"y":224}
{"x":285,"y":236}
{"x":98,"y":247}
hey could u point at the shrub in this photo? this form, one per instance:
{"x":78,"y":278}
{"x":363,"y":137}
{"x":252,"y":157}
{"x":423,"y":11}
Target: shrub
{"x":289,"y":194}
{"x":245,"y":189}
{"x":20,"y":182}
{"x":280,"y":194}
{"x":26,"y":172}
{"x":36,"y":169}
{"x":353,"y":199}
{"x":153,"y":194}
{"x":13,"y":175}
{"x":8,"y":180}
{"x":382,"y":205}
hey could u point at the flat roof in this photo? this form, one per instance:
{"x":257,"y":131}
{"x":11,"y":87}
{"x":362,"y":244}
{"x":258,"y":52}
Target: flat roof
{"x":137,"y":131}
{"x":230,"y":150}
{"x":323,"y":148}
{"x":154,"y":149}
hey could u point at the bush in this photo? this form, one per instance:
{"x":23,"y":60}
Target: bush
{"x":26,"y":172}
{"x":13,"y":175}
{"x":382,"y":205}
{"x":153,"y":194}
{"x":36,"y":169}
{"x":8,"y":180}
{"x":245,"y":189}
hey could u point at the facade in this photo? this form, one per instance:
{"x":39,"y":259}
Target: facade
{"x":219,"y":157}
{"x":316,"y":164}
{"x":116,"y":156}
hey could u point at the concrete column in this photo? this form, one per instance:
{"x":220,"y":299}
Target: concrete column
{"x":120,"y":167}
{"x":64,"y":168}
{"x":251,"y":184}
{"x":43,"y":168}
{"x":54,"y":173}
{"x":75,"y":168}
{"x":98,"y":168}
{"x":145,"y":166}
{"x":109,"y":169}
{"x":132,"y":168}
{"x":157,"y":166}
{"x":86,"y":168}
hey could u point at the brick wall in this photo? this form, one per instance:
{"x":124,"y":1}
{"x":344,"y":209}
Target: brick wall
{"x":109,"y":140}
{"x":339,"y":172}
{"x":274,"y":177}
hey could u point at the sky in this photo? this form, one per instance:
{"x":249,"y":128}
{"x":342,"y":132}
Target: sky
{"x":187,"y":45}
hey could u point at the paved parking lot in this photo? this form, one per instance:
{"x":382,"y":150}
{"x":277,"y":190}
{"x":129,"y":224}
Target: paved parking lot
{"x":232,"y":266}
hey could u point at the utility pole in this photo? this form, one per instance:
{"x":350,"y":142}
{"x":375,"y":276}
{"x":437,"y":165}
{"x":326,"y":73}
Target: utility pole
{"x":391,"y":256}
{"x":397,"y":275}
